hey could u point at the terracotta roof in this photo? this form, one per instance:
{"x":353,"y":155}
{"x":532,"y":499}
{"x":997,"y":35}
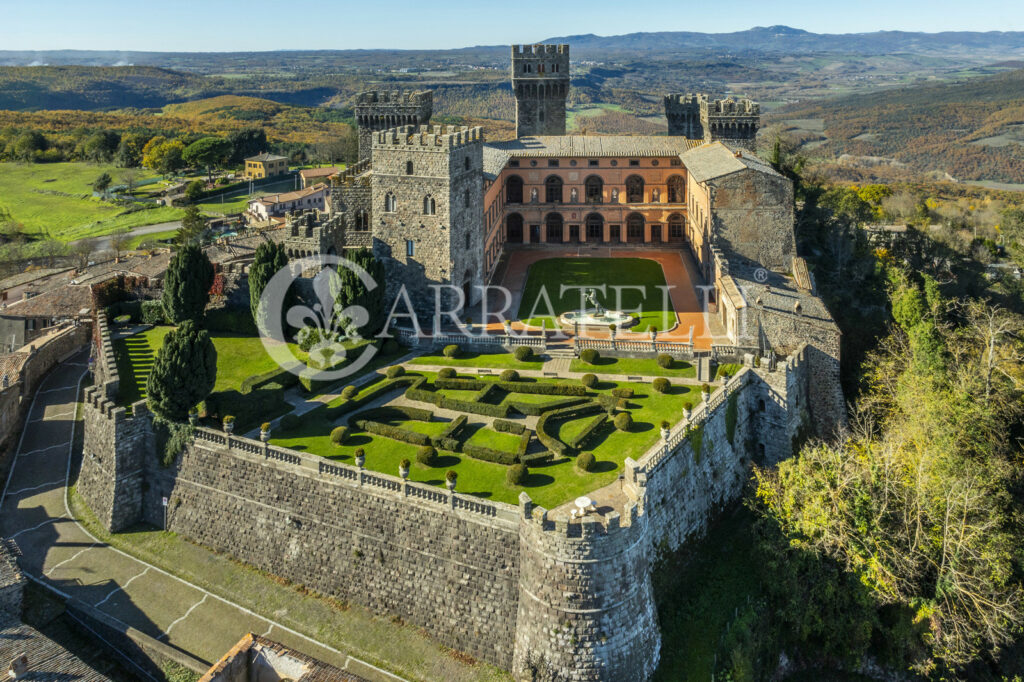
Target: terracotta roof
{"x":66,"y":302}
{"x":596,"y":145}
{"x":267,"y":156}
{"x":272,"y":199}
{"x":716,"y":159}
{"x":318,"y":172}
{"x":283,"y":662}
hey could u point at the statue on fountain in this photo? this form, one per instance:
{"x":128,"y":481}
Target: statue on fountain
{"x":591,"y":296}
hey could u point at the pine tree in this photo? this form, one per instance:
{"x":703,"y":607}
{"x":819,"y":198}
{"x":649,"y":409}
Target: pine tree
{"x":187,"y":284}
{"x":268,"y":260}
{"x":352,"y":291}
{"x":184,"y":372}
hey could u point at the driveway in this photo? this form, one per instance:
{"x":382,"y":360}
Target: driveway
{"x":103,"y":243}
{"x":61,"y":554}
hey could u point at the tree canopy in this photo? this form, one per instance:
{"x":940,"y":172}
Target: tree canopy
{"x":187,"y":284}
{"x":270,"y":257}
{"x":208,"y":153}
{"x":184,"y":372}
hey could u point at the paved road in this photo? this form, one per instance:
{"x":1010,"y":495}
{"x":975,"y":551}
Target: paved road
{"x":103,"y":243}
{"x":58,"y":552}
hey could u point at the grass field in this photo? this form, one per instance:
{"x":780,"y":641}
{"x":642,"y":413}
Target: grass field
{"x":548,"y":484}
{"x":55,"y":200}
{"x":635,"y":367}
{"x":468,"y":359}
{"x":546,"y":277}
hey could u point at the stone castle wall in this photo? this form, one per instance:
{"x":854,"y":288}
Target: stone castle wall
{"x":752,"y":217}
{"x":546,"y":598}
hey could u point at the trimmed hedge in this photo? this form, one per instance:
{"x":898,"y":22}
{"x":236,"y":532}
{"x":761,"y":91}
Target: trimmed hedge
{"x":451,"y":351}
{"x":623,"y":392}
{"x":349,"y":392}
{"x":661,"y":385}
{"x":490,"y":454}
{"x":513,"y":387}
{"x":394,"y":371}
{"x":624,"y":421}
{"x":422,"y":395}
{"x":665,"y":361}
{"x":447,"y":437}
{"x":586,"y":461}
{"x":516,"y":474}
{"x":427,"y":455}
{"x":523,"y":353}
{"x":536,"y":410}
{"x":280,"y":375}
{"x":536,"y":458}
{"x":339,"y":434}
{"x":393,"y":432}
{"x":556,"y":446}
{"x":588,"y":380}
{"x":509,"y":427}
{"x":595,"y":423}
{"x":446,"y":373}
{"x":334,"y":412}
{"x":524,"y":444}
{"x":589,"y":356}
{"x":509,"y":375}
{"x":388,"y":413}
{"x":153,"y":312}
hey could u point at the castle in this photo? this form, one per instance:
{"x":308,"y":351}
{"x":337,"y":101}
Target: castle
{"x":540,"y":594}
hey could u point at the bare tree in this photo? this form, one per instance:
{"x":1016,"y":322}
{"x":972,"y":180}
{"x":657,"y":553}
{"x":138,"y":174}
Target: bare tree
{"x":119,"y":241}
{"x":130,"y":177}
{"x":81,"y":251}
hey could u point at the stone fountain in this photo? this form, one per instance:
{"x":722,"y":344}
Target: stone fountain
{"x":596,"y":316}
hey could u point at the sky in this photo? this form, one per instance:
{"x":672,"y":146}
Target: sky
{"x":222,"y":25}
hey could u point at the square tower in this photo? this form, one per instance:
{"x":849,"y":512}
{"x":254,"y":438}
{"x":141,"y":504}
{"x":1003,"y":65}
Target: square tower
{"x":381,"y":110}
{"x":540,"y":81}
{"x":731,"y":120}
{"x":428,"y":221}
{"x":683,"y":114}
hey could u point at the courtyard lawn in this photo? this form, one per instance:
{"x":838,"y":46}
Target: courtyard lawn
{"x":496,"y":440}
{"x":548,"y":276}
{"x":730,"y":368}
{"x":548,"y":484}
{"x":55,"y":200}
{"x":635,"y":367}
{"x":500,"y":360}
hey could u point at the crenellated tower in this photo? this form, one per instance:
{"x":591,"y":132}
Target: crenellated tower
{"x":381,"y":110}
{"x":698,"y":117}
{"x":540,"y":81}
{"x":683,"y":114}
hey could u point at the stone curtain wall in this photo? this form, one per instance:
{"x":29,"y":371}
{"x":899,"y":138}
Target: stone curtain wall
{"x":45,"y":356}
{"x":752,"y":216}
{"x":586,"y":603}
{"x":451,"y":572}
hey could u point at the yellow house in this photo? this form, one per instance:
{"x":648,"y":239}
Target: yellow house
{"x":265,"y":165}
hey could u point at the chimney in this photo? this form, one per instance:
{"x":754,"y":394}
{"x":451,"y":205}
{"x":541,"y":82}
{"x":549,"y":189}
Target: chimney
{"x":18,"y":667}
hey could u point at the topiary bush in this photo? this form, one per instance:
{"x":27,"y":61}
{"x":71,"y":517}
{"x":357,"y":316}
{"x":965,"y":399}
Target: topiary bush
{"x":509,"y":375}
{"x":516,"y":474}
{"x":661,"y":385}
{"x":589,"y":380}
{"x":446,"y":373}
{"x":523,"y":353}
{"x":590,"y":356}
{"x":349,"y":392}
{"x":394,"y":371}
{"x":339,"y":434}
{"x":427,"y":456}
{"x":451,"y":351}
{"x":153,"y":312}
{"x":623,"y":392}
{"x":290,"y":422}
{"x":665,"y":361}
{"x":623,"y":421}
{"x":585,"y":460}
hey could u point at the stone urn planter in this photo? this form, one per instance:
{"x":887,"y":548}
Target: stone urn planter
{"x":664,"y":433}
{"x":450,"y":479}
{"x":360,"y":458}
{"x":229,"y":425}
{"x":403,"y":469}
{"x":265,"y":432}
{"x":687,"y":412}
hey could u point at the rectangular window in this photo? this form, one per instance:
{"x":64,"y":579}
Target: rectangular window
{"x":410,"y":248}
{"x":514,"y":163}
{"x":634,"y":162}
{"x":553,"y":163}
{"x":677,"y":162}
{"x":593,"y":163}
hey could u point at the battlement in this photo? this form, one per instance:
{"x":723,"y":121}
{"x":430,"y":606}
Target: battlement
{"x":349,"y":175}
{"x":539,"y":51}
{"x":730,"y":107}
{"x":451,"y":137}
{"x":409,"y":97}
{"x":683,"y":100}
{"x":586,"y":528}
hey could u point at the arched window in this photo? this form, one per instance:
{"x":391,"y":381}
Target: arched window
{"x":595,"y":227}
{"x":553,"y":189}
{"x":675,"y":227}
{"x":634,"y":189}
{"x":390,"y":205}
{"x":514,"y":190}
{"x":429,"y":205}
{"x":554,"y":223}
{"x":594,"y":189}
{"x":514,"y":228}
{"x":408,"y":167}
{"x":676,"y":190}
{"x":635,"y":228}
{"x":362,"y":221}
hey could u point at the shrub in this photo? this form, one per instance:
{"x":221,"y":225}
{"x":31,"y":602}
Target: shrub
{"x":446,"y":373}
{"x":450,"y":476}
{"x":523,"y":353}
{"x":590,"y":356}
{"x":687,"y":404}
{"x":427,"y":455}
{"x":359,"y":453}
{"x":508,"y":427}
{"x":516,"y":474}
{"x":593,"y":425}
{"x":404,"y":464}
{"x":509,"y":375}
{"x":153,"y":312}
{"x":265,"y":426}
{"x":451,"y":351}
{"x":665,"y":424}
{"x":339,"y":434}
{"x":394,"y":371}
{"x":393,"y":432}
{"x":585,"y":461}
{"x":623,"y":392}
{"x":706,"y":388}
{"x":349,"y":392}
{"x":623,"y":421}
{"x":589,"y":380}
{"x":290,"y":422}
{"x":490,"y":454}
{"x":661,"y":385}
{"x":665,"y":361}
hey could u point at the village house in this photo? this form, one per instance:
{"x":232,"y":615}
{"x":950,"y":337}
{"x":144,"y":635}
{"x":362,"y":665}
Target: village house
{"x":265,"y":165}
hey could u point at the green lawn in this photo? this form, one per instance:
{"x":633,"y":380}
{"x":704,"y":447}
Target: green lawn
{"x":155,"y":237}
{"x":500,"y":360}
{"x":36,"y":196}
{"x":548,"y":276}
{"x":635,"y":367}
{"x":549,"y":485}
{"x":730,"y":368}
{"x":497,"y":440}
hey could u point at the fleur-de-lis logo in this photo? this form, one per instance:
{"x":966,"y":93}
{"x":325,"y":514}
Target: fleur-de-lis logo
{"x":326,"y":331}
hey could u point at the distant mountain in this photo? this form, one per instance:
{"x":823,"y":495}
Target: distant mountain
{"x":794,"y":40}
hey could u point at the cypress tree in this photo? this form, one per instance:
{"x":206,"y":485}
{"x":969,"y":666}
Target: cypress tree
{"x":187,"y":284}
{"x":184,"y":372}
{"x":269,"y":258}
{"x":352,"y":291}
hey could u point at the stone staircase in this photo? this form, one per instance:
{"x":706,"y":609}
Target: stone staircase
{"x":559,"y":360}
